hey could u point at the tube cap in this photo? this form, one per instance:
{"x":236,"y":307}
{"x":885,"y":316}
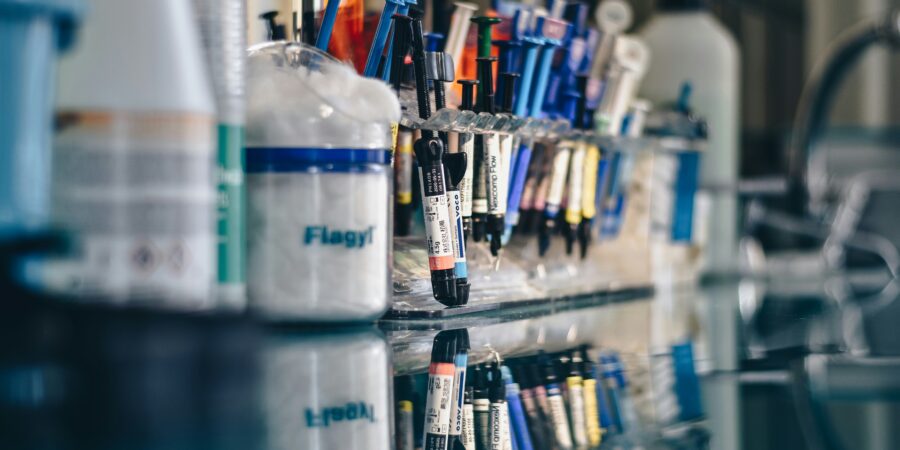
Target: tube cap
{"x":468,"y":94}
{"x":443,"y":349}
{"x":497,"y":390}
{"x":681,"y":5}
{"x":509,"y":90}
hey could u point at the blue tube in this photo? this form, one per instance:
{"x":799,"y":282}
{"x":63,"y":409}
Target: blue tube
{"x":331,"y":11}
{"x":381,"y":35}
{"x":507,"y":59}
{"x":531,"y":46}
{"x":543,"y":76}
{"x":517,"y":184}
{"x":404,"y":10}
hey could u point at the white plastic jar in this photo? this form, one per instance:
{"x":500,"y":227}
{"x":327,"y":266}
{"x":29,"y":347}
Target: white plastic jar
{"x":319,"y":187}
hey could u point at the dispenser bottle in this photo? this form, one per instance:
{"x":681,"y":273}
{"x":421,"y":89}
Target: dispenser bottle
{"x":689,"y":45}
{"x":134,"y":159}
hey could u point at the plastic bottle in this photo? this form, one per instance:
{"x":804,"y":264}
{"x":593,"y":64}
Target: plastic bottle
{"x":222,"y":31}
{"x":133,"y":158}
{"x":689,"y":45}
{"x":31,"y":35}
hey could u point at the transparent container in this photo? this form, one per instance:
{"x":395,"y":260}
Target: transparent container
{"x":319,"y":187}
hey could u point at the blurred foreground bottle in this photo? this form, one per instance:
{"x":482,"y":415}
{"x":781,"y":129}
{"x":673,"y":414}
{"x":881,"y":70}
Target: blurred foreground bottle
{"x":32,"y":32}
{"x":690,"y":46}
{"x":133,"y":167}
{"x":224,"y":38}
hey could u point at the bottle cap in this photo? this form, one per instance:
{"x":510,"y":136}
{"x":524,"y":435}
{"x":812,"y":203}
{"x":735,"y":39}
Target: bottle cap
{"x":497,"y":390}
{"x":462,"y":340}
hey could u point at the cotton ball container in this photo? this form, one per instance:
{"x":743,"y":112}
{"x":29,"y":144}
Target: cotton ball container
{"x":318,"y":187}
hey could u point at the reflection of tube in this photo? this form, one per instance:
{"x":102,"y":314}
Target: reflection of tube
{"x":441,"y":374}
{"x":460,"y":361}
{"x":516,"y":412}
{"x":405,"y":428}
{"x":499,"y":412}
{"x":535,"y":420}
{"x":405,"y":440}
{"x":481,"y":410}
{"x":558,"y":414}
{"x":591,"y":413}
{"x":575,"y":384}
{"x":468,"y":425}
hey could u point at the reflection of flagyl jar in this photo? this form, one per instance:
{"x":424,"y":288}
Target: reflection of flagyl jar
{"x":319,"y":186}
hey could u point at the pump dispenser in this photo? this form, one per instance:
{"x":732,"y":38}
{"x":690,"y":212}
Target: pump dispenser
{"x":689,"y":45}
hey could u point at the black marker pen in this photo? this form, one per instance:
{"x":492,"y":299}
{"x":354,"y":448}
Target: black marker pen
{"x":441,"y":373}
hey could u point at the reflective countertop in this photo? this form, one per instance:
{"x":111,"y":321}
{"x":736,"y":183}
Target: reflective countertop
{"x":781,"y":366}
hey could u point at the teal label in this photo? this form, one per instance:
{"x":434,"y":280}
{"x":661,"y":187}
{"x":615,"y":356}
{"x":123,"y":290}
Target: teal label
{"x":231,"y":203}
{"x":322,"y":235}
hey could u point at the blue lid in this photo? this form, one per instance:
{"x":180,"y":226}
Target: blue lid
{"x":433,"y":42}
{"x":570,"y":106}
{"x":576,"y":14}
{"x":66,"y":13}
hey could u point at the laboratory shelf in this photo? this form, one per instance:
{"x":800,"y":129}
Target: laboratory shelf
{"x":516,"y":332}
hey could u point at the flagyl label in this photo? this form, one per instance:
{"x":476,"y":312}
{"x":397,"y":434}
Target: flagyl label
{"x":352,"y":239}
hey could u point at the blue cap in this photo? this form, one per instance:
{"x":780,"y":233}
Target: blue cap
{"x":570,"y":107}
{"x":433,"y":42}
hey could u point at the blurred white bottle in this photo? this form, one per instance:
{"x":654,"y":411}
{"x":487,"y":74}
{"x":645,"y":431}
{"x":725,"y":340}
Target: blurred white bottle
{"x":133,"y":158}
{"x":689,"y":45}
